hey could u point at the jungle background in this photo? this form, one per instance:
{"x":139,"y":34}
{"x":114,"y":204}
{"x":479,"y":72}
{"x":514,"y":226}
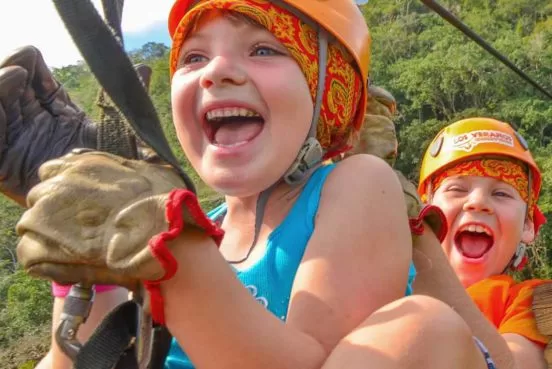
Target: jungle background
{"x":437,"y":76}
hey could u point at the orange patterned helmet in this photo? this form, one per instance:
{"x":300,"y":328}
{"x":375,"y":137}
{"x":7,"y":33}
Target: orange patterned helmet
{"x":341,"y":18}
{"x":333,"y":51}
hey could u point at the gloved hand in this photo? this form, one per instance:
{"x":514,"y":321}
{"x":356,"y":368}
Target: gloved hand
{"x":97,"y":218}
{"x":38,"y":121}
{"x":418,"y":213}
{"x":378,"y":136}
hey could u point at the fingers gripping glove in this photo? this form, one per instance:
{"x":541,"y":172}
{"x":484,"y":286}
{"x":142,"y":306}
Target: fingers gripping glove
{"x":378,"y":136}
{"x":38,"y":121}
{"x":101,"y":219}
{"x":418,"y":213}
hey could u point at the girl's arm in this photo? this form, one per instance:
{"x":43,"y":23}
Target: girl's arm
{"x":356,"y":261}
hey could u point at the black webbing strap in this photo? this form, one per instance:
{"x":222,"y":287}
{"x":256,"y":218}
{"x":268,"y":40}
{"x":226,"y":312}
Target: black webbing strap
{"x":114,"y":71}
{"x":113,"y":14}
{"x":114,"y":135}
{"x":449,"y":17}
{"x":113,"y":344}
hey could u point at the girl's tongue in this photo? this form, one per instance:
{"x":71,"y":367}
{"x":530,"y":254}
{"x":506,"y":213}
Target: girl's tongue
{"x":473,"y":244}
{"x":233,"y":133}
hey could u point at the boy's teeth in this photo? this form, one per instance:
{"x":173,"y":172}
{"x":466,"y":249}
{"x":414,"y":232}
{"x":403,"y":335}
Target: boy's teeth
{"x":476,"y":228}
{"x":217,"y":114}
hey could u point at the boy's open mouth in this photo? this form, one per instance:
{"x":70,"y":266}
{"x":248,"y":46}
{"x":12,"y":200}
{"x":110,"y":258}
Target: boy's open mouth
{"x":229,"y":127}
{"x":474,"y":240}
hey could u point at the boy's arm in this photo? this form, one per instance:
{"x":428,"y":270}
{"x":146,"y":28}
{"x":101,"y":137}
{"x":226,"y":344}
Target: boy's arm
{"x":436,"y":278}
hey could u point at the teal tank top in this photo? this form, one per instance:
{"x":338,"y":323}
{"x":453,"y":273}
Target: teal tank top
{"x":270,"y":279}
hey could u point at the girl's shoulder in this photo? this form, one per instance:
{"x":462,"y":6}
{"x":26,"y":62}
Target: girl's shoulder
{"x":364,"y":173}
{"x":363,"y":190}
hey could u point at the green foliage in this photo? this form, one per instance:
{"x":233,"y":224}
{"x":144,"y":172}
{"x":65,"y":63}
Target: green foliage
{"x":436,"y":74}
{"x":28,"y":365}
{"x":81,"y":83}
{"x":10,"y":214}
{"x":25,"y":305}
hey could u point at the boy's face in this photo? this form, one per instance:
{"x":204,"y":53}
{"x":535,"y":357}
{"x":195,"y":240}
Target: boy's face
{"x":487,"y":220}
{"x":241,"y":105}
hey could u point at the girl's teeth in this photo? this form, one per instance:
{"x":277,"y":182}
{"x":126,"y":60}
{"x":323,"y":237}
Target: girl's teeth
{"x":230,"y":112}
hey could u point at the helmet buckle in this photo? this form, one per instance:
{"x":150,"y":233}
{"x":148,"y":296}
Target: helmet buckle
{"x":519,"y":259}
{"x":309,"y":156}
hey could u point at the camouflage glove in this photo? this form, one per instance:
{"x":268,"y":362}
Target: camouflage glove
{"x":38,"y":121}
{"x":418,"y":213}
{"x":101,"y":219}
{"x":378,"y":136}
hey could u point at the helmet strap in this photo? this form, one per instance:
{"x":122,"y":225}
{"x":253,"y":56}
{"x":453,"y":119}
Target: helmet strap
{"x":311,"y":153}
{"x":519,"y":259}
{"x":429,"y":191}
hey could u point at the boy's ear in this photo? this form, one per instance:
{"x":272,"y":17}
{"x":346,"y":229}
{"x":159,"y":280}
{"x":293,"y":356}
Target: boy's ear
{"x":528,"y":233}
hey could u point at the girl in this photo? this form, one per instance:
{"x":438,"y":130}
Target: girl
{"x":262,"y":92}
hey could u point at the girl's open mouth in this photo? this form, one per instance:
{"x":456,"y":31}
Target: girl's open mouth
{"x":474,"y":240}
{"x":228,"y":127}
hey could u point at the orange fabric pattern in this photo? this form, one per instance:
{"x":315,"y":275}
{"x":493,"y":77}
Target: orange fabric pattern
{"x":343,"y":84}
{"x":507,"y":305}
{"x":507,"y":171}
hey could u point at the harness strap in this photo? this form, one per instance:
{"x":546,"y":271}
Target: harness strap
{"x":113,"y":344}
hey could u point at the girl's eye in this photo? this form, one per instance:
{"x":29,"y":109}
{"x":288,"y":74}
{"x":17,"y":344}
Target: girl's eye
{"x":192,"y":59}
{"x":264,"y":51}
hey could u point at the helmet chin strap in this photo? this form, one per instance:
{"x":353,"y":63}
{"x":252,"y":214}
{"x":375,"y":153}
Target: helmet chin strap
{"x":311,"y":153}
{"x":519,"y":259}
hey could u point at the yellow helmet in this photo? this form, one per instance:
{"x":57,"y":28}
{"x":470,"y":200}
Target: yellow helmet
{"x":475,"y":137}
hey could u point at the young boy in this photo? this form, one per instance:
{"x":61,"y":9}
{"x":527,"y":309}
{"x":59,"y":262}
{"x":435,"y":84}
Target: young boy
{"x":480,"y":172}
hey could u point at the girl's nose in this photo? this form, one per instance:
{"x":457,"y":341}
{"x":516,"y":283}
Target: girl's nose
{"x":222,"y":70}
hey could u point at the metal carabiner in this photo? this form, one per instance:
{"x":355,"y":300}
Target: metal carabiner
{"x":76,"y":310}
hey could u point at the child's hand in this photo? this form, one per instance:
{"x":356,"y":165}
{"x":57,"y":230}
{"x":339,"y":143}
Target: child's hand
{"x":378,"y":136}
{"x":92,"y":218}
{"x":38,"y":121}
{"x":419,"y":213}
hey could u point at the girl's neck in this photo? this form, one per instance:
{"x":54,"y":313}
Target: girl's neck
{"x":242,"y":210}
{"x":239,"y":223}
